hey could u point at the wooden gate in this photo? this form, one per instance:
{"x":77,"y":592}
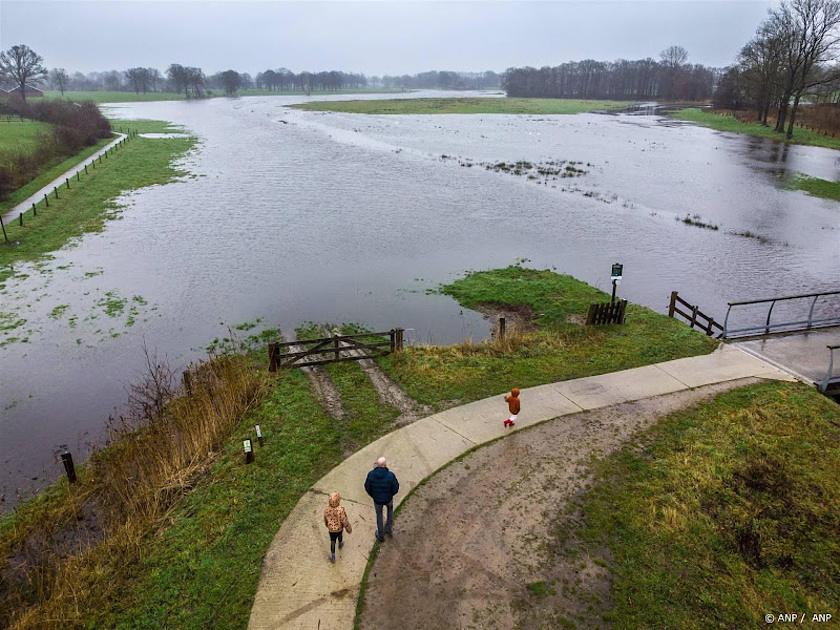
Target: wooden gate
{"x":606,"y":313}
{"x":310,"y":352}
{"x":694,"y":316}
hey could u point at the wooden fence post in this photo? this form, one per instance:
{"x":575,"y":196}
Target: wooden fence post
{"x":34,"y":210}
{"x":502,"y":326}
{"x":2,"y":225}
{"x":672,"y":306}
{"x":55,"y":190}
{"x":393,"y":336}
{"x":69,"y":468}
{"x":67,"y":181}
{"x":399,"y":339}
{"x":272,"y":357}
{"x":20,"y":218}
{"x":188,"y":382}
{"x":336,"y":347}
{"x":46,"y":200}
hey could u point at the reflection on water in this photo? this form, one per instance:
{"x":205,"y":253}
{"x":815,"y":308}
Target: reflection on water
{"x":294,"y":216}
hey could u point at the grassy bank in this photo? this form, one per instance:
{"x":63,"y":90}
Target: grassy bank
{"x":21,"y":136}
{"x":456,"y":105}
{"x":816,"y":187}
{"x":89,"y":202}
{"x":551,"y":344}
{"x":723,"y":513}
{"x":722,"y":122}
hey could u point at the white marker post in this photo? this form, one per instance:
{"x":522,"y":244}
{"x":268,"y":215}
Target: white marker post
{"x":249,"y":451}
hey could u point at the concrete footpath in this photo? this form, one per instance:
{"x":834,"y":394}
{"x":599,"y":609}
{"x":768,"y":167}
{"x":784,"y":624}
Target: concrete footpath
{"x":58,"y":182}
{"x":300,"y":588}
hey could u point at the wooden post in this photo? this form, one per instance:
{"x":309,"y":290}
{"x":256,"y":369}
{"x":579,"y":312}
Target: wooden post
{"x":67,"y":181}
{"x":34,"y":211}
{"x":393,"y":340}
{"x":86,"y":169}
{"x":20,"y":218}
{"x":188,"y":382}
{"x":2,"y":225}
{"x":336,"y":347}
{"x":249,"y":450}
{"x":399,"y":339}
{"x":672,"y":306}
{"x":258,"y":431}
{"x":502,"y":326}
{"x":55,"y":190}
{"x":694,"y":316}
{"x":46,"y":201}
{"x":69,"y":468}
{"x":78,"y":176}
{"x":272,"y":357}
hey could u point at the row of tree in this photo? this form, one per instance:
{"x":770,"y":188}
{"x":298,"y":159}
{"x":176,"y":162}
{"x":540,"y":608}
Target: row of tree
{"x":670,"y":78}
{"x":793,"y":56}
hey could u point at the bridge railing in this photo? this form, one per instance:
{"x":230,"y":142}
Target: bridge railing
{"x":769,"y":326}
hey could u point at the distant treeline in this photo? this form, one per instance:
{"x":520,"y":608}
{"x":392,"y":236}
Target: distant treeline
{"x":74,"y":126}
{"x":194,"y":83}
{"x":669,"y":78}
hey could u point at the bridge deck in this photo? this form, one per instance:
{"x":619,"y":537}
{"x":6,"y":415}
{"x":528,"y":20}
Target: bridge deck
{"x":804,"y":353}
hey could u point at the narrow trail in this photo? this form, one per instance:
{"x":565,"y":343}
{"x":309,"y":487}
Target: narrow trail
{"x":324,"y":388}
{"x":58,"y":182}
{"x":468,"y":562}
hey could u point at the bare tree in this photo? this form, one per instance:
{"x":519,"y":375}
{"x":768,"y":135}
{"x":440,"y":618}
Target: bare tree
{"x":138,"y":78}
{"x":59,"y":79}
{"x":231,"y":81}
{"x":23,"y":65}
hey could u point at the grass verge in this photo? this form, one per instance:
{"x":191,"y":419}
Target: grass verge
{"x":21,"y":136}
{"x":550,"y":344}
{"x":723,"y":512}
{"x":488,"y":105}
{"x":817,"y":187}
{"x":90,"y":202}
{"x":722,"y":122}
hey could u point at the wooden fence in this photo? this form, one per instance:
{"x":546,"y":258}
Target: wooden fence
{"x":693,"y":315}
{"x":311,"y":352}
{"x":606,"y":313}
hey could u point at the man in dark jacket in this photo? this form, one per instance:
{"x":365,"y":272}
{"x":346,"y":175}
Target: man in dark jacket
{"x":381,"y":484}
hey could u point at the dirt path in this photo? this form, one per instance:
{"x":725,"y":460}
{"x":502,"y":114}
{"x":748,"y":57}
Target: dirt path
{"x":469,"y":542}
{"x":325,"y":389}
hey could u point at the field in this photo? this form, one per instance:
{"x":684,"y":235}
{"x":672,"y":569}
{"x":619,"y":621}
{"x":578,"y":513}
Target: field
{"x":457,"y":105}
{"x":89,"y":202}
{"x":731,"y":124}
{"x":21,"y":135}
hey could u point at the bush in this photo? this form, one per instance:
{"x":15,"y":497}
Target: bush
{"x":75,"y":125}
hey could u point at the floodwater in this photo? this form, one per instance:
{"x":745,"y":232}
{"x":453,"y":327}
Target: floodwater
{"x":293,"y":216}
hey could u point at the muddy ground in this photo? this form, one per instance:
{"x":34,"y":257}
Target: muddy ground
{"x":489,"y":542}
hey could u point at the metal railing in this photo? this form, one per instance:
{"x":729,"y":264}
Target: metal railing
{"x":829,"y":378}
{"x":781,"y":327}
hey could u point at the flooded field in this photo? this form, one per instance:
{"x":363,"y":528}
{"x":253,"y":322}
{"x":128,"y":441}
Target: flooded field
{"x":290,"y":216}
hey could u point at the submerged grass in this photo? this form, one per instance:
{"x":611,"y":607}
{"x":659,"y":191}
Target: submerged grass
{"x":481,"y":105}
{"x":723,"y":122}
{"x":723,"y":512}
{"x":90,"y":202}
{"x":817,"y":187}
{"x":556,"y":346}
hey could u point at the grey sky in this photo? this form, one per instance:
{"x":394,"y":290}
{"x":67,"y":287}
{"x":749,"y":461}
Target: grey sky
{"x":373,"y":37}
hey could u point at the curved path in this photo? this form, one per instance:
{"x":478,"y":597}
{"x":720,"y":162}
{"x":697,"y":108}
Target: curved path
{"x":58,"y":182}
{"x":300,"y":588}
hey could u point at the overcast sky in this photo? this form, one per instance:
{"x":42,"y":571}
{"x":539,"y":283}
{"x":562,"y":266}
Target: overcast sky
{"x":385,"y":37}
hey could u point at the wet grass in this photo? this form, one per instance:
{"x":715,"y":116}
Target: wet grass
{"x":557,"y":347}
{"x":455,"y":105}
{"x":90,"y":202}
{"x":722,"y":122}
{"x":816,"y":187}
{"x":21,"y":136}
{"x":723,"y":512}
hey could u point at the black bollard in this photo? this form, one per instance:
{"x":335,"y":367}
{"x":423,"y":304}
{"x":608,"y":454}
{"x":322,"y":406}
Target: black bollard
{"x":34,"y":211}
{"x":3,"y":227}
{"x":70,"y":469}
{"x":259,"y":434}
{"x":249,"y":451}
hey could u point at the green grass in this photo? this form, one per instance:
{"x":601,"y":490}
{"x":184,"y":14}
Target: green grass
{"x":722,"y":122}
{"x":457,"y":105}
{"x":202,"y":571}
{"x":723,"y":512}
{"x":817,"y":187}
{"x":50,"y":172}
{"x":21,"y":136}
{"x":559,"y":347}
{"x":90,"y":202}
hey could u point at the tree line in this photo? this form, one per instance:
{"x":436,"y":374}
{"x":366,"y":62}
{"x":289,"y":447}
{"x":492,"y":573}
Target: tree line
{"x":670,"y":77}
{"x":791,"y":59}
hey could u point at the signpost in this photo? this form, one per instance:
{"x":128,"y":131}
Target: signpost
{"x":249,"y":451}
{"x":615,"y":276}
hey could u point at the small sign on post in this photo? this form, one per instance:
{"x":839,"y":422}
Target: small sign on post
{"x":249,"y":451}
{"x":615,"y":276}
{"x":259,"y":434}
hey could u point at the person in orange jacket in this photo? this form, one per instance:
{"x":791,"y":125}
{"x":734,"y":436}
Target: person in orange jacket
{"x":335,"y":518}
{"x":512,"y":400}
